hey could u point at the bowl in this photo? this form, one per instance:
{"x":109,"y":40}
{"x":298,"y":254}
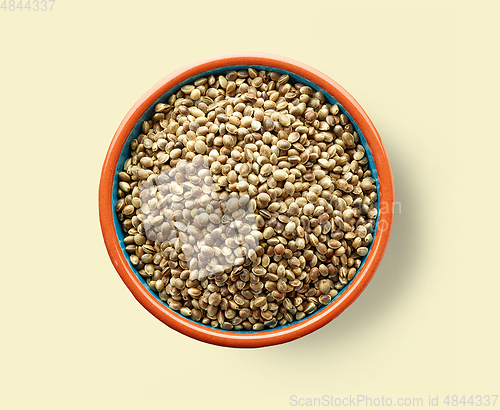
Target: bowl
{"x":130,"y":128}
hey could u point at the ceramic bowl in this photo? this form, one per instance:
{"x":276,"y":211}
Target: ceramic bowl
{"x":130,"y":129}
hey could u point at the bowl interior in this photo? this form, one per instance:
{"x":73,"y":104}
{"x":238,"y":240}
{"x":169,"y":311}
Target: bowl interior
{"x":125,"y":152}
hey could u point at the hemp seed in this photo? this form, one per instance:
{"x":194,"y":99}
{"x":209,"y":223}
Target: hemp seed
{"x":247,"y":201}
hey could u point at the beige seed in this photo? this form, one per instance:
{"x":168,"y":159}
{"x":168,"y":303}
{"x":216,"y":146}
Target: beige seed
{"x":136,"y":202}
{"x":124,"y":176}
{"x":266,"y":170}
{"x":324,"y":286}
{"x":186,"y":89}
{"x":324,"y":299}
{"x":175,"y":153}
{"x":207,"y":251}
{"x":356,"y":243}
{"x":300,"y":315}
{"x":289,"y":188}
{"x":260,"y":301}
{"x":223,"y":81}
{"x":359,"y":154}
{"x":195,"y":94}
{"x":256,"y":125}
{"x":139,"y":239}
{"x":312,"y":197}
{"x":268,"y":124}
{"x":124,"y":186}
{"x":193,"y":292}
{"x":259,"y":271}
{"x":268,"y":233}
{"x":293,"y":137}
{"x":362,"y":231}
{"x":366,"y":185}
{"x":228,"y":141}
{"x":362,"y":251}
{"x":294,"y":208}
{"x":284,"y":120}
{"x":128,"y":210}
{"x":200,"y":147}
{"x":274,"y":207}
{"x":351,"y":273}
{"x":348,"y":139}
{"x":233,"y":204}
{"x":175,"y":305}
{"x":264,"y":198}
{"x":309,"y":308}
{"x":159,"y":285}
{"x":280,"y":175}
{"x":372,"y":213}
{"x":214,"y":299}
{"x":284,"y":144}
{"x":324,"y":163}
{"x":290,"y":228}
{"x":308,"y":209}
{"x":196,"y":112}
{"x":185,"y":311}
{"x":313,"y":239}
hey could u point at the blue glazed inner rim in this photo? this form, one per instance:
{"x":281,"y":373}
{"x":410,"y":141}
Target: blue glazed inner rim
{"x":136,"y":131}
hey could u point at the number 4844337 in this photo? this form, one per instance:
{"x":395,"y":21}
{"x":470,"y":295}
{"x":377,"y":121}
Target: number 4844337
{"x":471,"y":401}
{"x":30,"y":5}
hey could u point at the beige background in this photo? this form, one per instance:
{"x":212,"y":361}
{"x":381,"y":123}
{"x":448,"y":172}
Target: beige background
{"x":73,"y":337}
